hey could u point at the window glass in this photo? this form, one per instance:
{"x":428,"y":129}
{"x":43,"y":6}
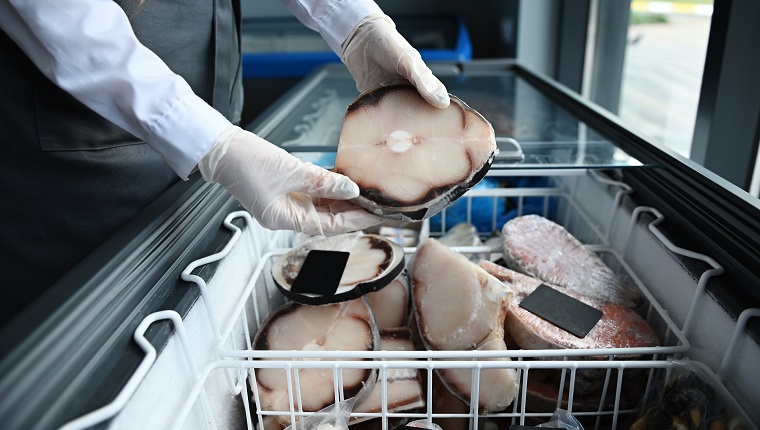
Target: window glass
{"x":662,"y":75}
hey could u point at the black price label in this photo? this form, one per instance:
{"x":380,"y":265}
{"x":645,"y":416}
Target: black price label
{"x":321,"y":272}
{"x":562,"y":310}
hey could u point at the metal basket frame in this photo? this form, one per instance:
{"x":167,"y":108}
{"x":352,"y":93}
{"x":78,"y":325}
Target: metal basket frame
{"x":233,"y":333}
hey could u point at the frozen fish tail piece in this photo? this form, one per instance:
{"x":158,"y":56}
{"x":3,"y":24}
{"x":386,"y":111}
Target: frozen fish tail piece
{"x":409,"y":158}
{"x":458,"y":306}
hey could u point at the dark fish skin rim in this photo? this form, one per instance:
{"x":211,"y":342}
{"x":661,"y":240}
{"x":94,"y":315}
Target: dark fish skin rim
{"x":384,"y":200}
{"x":414,"y":213}
{"x":372,"y":97}
{"x":367,"y":380}
{"x":359,"y":289}
{"x":354,"y":293}
{"x":396,"y":333}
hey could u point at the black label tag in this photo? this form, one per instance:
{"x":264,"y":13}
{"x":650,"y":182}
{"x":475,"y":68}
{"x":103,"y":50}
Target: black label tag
{"x":562,"y":310}
{"x":320,"y":273}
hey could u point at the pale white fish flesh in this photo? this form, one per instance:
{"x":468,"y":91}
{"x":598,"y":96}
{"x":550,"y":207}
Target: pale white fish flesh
{"x":463,"y":234}
{"x":404,"y":386}
{"x":347,"y":326}
{"x":374,"y":262}
{"x":390,"y":305}
{"x":498,"y":386}
{"x":409,"y":158}
{"x":458,"y":306}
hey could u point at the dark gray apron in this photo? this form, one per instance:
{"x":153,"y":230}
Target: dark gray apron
{"x":68,"y":178}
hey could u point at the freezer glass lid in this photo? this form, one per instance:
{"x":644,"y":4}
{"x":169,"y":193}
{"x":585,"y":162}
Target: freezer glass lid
{"x":532,"y":130}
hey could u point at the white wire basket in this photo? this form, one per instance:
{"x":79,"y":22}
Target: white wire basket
{"x":549,"y":379}
{"x":625,"y":379}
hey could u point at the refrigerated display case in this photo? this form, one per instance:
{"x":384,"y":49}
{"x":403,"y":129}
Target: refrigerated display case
{"x":155,"y":330}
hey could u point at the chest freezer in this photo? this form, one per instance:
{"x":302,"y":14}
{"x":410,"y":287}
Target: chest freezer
{"x":156,"y":329}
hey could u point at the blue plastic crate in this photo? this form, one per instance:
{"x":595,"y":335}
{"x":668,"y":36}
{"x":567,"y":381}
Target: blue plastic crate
{"x":283,"y":47}
{"x":489,"y":214}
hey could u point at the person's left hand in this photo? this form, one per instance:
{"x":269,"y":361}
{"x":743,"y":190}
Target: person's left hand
{"x":281,"y":191}
{"x":375,"y":52}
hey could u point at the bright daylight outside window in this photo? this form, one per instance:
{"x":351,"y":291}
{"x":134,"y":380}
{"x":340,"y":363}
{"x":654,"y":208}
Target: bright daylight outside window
{"x":664,"y":61}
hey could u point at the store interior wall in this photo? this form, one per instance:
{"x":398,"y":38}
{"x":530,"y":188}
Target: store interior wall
{"x":492,"y":26}
{"x":537,"y":37}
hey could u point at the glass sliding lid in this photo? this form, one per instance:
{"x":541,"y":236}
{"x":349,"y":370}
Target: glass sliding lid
{"x":532,"y":130}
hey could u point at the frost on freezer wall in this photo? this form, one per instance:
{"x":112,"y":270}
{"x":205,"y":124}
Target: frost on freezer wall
{"x":673,"y":282}
{"x":161,"y":395}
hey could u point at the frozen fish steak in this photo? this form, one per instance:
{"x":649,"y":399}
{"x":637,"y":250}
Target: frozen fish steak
{"x":373,"y":263}
{"x":409,"y":158}
{"x":459,"y":306}
{"x":539,"y":247}
{"x":347,"y":326}
{"x":403,"y":386}
{"x":619,"y":327}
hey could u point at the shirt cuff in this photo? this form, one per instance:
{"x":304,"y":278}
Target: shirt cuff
{"x":186,"y":133}
{"x":340,"y":17}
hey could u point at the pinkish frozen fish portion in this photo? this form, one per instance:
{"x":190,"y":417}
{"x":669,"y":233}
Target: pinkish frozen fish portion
{"x":620,"y":327}
{"x":539,"y":247}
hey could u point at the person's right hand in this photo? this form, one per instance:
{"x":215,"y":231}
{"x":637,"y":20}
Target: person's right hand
{"x":281,"y":191}
{"x":376,"y":52}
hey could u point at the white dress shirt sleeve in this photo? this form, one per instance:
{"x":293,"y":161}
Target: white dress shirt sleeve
{"x":333,"y":19}
{"x":88,"y":48}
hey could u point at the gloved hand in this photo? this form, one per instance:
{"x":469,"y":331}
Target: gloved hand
{"x":374,"y":52}
{"x":281,"y":191}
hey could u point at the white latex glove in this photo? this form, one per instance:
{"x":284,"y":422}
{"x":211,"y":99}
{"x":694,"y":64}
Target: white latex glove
{"x":281,"y":191}
{"x":375,"y":52}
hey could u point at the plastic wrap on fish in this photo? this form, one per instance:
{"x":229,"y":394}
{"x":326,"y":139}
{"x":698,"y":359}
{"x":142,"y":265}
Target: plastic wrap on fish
{"x":373,"y":262}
